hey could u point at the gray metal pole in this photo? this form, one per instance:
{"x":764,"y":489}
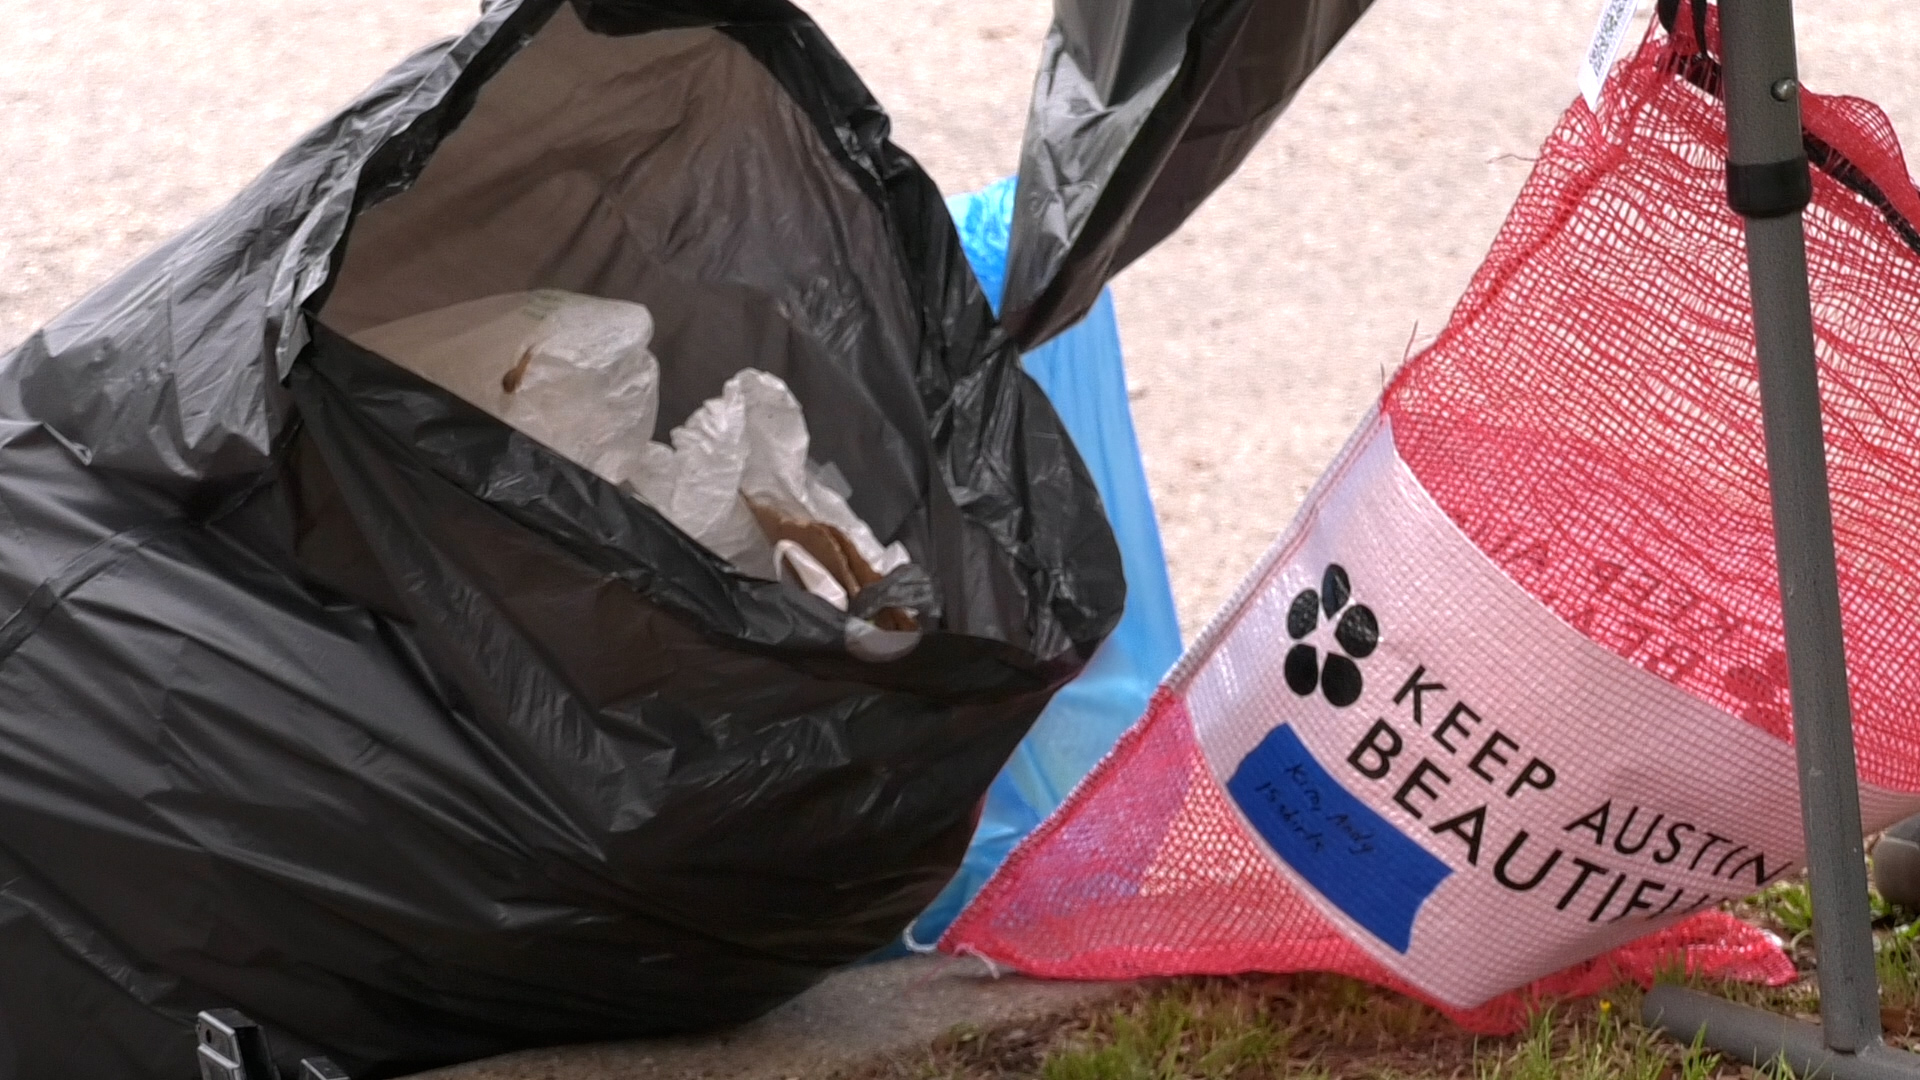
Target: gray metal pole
{"x":1768,"y":183}
{"x":1761,"y":1038}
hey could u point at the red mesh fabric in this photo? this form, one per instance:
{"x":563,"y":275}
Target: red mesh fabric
{"x":1145,"y":871}
{"x":1591,"y":414}
{"x":1590,"y":417}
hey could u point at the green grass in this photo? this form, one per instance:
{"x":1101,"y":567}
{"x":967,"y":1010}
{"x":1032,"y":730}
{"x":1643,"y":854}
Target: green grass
{"x":1317,"y":1027}
{"x":1788,"y":904}
{"x":1206,"y":1033}
{"x":1310,"y":1028}
{"x":1602,"y":1046}
{"x":1234,"y":1029}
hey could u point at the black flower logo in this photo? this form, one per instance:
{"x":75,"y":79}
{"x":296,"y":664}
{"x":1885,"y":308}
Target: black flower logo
{"x":1356,"y":633}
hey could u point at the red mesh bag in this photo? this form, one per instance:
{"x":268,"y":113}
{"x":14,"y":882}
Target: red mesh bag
{"x":1504,"y":712}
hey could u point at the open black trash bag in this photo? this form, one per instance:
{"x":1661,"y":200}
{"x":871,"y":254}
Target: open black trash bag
{"x":325,"y":696}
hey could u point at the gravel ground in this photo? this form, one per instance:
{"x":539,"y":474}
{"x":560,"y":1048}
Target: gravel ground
{"x":1255,"y":337}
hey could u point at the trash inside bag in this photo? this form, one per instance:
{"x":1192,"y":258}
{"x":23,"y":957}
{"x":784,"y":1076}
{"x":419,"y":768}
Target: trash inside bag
{"x":574,"y":373}
{"x":376,"y":711}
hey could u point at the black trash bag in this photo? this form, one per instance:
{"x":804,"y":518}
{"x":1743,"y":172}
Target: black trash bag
{"x":1141,"y":110}
{"x":328,"y":697}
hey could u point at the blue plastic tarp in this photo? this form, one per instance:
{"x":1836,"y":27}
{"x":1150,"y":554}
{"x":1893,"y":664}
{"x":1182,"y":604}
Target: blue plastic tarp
{"x":1082,"y":372}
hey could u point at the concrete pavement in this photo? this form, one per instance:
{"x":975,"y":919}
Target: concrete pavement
{"x":852,"y":1019}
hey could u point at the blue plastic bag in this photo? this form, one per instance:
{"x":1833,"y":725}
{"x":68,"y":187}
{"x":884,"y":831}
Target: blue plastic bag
{"x":1083,"y":374}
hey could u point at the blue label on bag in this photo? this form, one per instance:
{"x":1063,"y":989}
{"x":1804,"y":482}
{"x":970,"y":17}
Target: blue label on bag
{"x":1350,"y":854}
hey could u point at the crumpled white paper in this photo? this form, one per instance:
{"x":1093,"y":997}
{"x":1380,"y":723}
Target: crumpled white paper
{"x":575,"y":373}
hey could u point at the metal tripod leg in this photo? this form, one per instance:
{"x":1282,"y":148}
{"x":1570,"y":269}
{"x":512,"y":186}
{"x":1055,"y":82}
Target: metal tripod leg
{"x":1768,"y":184}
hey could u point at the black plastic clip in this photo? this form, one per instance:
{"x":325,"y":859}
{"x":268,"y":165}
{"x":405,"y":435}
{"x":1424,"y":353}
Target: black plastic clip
{"x":233,"y":1047}
{"x":1669,"y":10}
{"x":1774,"y":189}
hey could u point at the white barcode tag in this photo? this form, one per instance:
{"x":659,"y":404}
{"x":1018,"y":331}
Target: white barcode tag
{"x":1616,"y":18}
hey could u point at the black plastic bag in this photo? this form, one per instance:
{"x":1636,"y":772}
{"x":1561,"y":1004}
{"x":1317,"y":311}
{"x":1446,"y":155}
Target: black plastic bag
{"x":325,"y":696}
{"x":1141,"y":110}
